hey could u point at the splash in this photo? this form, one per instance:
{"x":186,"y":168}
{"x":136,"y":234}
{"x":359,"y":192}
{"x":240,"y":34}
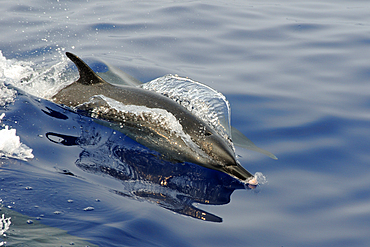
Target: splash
{"x":261,"y":179}
{"x":7,"y":95}
{"x":203,"y":101}
{"x":10,"y":145}
{"x":13,"y":71}
{"x":258,"y":180}
{"x":26,"y":76}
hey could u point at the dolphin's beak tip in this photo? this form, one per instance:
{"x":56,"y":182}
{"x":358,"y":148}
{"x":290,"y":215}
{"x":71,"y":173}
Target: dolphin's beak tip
{"x":252,"y":183}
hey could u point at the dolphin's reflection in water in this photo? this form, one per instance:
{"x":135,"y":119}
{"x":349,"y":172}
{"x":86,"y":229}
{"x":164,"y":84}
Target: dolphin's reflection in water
{"x":147,"y":177}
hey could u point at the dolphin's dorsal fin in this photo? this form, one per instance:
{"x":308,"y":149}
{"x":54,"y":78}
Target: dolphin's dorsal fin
{"x":87,"y":75}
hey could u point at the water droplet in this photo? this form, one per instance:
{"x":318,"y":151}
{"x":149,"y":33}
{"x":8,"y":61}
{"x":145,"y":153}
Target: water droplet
{"x":89,"y":209}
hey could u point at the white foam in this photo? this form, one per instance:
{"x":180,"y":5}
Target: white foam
{"x":7,"y":95}
{"x":12,"y":71}
{"x":40,"y":82}
{"x":10,"y":145}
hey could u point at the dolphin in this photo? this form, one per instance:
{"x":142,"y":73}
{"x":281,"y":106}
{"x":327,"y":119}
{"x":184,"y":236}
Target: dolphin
{"x":142,"y":120}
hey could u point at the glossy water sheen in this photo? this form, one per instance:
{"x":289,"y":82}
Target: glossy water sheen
{"x":297,"y":78}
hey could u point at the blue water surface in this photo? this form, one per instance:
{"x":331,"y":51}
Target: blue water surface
{"x":296,"y":75}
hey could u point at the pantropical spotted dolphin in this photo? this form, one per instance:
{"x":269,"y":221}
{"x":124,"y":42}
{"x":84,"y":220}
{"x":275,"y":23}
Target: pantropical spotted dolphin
{"x":151,"y":119}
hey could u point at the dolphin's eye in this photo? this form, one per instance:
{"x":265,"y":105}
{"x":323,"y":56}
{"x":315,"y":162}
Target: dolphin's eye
{"x":207,"y":133}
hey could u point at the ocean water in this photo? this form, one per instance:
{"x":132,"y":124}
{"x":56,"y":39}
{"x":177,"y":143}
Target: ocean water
{"x":296,"y":75}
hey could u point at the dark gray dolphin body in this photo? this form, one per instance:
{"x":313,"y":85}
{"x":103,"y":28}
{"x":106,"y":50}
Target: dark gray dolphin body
{"x":210,"y":151}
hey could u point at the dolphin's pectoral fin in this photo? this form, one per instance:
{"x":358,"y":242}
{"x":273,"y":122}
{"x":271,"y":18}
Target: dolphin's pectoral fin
{"x":87,"y":75}
{"x":239,"y":139}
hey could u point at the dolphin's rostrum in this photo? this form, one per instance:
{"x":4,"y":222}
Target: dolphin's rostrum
{"x":141,"y":119}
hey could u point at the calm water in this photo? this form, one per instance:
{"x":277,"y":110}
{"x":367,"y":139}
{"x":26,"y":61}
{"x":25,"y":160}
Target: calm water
{"x":297,"y":78}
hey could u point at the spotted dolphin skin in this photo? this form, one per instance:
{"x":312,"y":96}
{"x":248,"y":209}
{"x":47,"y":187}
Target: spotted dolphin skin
{"x":198,"y":143}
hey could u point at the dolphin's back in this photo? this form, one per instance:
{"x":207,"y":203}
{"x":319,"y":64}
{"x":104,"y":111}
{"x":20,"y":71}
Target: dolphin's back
{"x":90,"y":84}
